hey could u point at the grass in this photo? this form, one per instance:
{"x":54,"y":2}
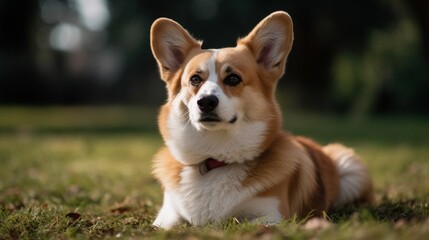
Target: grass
{"x":80,"y":172}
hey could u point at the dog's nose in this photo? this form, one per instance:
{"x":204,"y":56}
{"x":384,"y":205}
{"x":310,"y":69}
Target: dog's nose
{"x":207,"y":103}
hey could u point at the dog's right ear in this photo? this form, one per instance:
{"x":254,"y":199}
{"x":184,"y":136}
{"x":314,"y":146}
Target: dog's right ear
{"x":170,"y":44}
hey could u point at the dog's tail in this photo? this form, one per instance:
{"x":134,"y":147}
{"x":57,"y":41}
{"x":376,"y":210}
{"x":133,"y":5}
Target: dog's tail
{"x":355,"y":180}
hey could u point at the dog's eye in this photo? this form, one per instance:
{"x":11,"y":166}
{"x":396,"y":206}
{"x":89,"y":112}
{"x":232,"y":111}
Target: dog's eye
{"x":232,"y":80}
{"x":195,"y":80}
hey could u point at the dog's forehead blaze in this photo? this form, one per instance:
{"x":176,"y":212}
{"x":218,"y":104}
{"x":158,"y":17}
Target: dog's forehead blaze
{"x":219,"y":63}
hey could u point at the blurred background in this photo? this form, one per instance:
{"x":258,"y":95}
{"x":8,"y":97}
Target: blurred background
{"x":355,"y":57}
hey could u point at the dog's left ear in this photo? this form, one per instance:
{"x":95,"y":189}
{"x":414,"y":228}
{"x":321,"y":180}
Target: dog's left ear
{"x":270,"y":42}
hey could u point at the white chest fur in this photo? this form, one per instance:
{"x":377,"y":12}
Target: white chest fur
{"x":211,"y":197}
{"x":215,"y":196}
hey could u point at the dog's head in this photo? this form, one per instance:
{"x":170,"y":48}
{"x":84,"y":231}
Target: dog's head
{"x":219,"y":89}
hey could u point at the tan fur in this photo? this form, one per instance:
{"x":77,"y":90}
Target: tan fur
{"x":296,"y":171}
{"x":286,"y":172}
{"x":167,"y":169}
{"x":327,"y":175}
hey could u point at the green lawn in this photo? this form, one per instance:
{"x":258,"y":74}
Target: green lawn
{"x":85,"y":173}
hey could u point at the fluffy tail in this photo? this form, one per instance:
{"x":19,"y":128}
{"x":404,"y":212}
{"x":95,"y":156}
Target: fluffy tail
{"x":355,"y":180}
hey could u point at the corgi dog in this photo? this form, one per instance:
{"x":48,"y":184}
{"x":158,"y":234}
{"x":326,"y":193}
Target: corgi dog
{"x":225,"y":154}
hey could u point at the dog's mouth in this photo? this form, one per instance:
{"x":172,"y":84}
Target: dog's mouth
{"x":210,"y":118}
{"x":213,"y":118}
{"x":233,"y":120}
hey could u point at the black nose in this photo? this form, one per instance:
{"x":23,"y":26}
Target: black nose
{"x":207,"y":103}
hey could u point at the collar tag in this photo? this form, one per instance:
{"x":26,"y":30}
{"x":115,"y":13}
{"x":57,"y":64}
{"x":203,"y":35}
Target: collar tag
{"x":210,"y":164}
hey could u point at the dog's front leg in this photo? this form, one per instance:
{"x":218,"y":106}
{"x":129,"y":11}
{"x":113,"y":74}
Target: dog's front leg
{"x":168,"y":215}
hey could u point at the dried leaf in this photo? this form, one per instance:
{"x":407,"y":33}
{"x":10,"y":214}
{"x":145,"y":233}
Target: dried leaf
{"x":120,"y":209}
{"x":73,"y":216}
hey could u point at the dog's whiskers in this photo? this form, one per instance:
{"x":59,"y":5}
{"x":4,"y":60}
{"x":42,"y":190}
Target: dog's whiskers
{"x":247,"y":118}
{"x":185,"y":116}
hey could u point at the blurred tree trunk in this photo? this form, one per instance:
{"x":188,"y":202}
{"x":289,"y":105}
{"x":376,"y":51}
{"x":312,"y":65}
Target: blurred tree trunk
{"x":421,"y":11}
{"x":19,"y":79}
{"x":17,"y":21}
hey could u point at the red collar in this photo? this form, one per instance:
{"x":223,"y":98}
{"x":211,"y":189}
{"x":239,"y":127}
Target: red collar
{"x":210,"y":164}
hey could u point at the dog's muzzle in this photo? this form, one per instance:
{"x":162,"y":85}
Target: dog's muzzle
{"x":207,"y":105}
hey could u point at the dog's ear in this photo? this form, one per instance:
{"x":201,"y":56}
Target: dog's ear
{"x":270,"y":42}
{"x":170,"y":44}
